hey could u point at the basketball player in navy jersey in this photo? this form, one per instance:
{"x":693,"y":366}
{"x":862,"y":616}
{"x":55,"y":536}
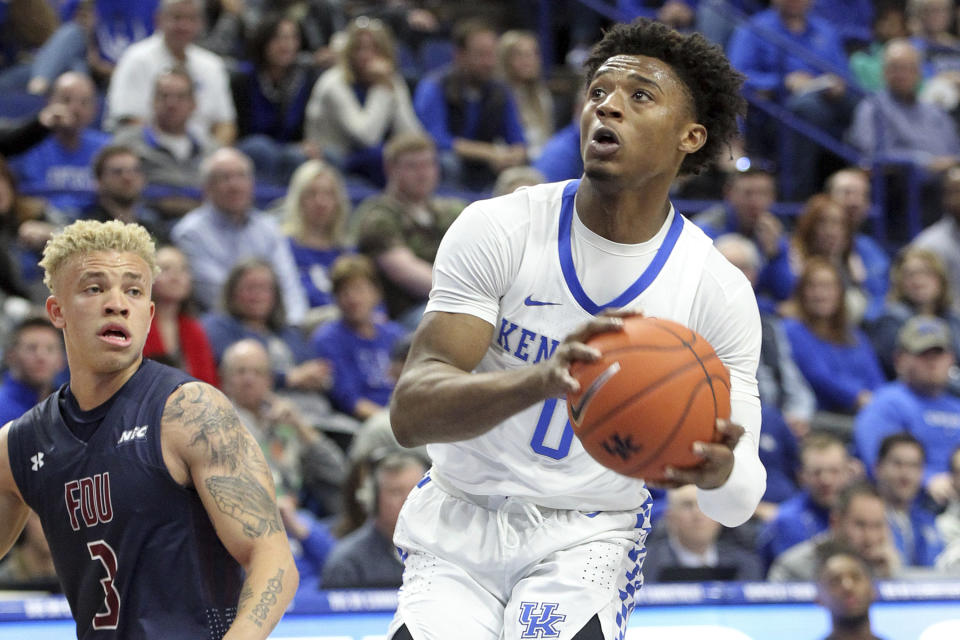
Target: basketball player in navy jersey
{"x":516,"y":532}
{"x":157,"y":504}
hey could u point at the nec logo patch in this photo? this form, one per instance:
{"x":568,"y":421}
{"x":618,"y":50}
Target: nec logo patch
{"x":540,"y":619}
{"x":130,"y":435}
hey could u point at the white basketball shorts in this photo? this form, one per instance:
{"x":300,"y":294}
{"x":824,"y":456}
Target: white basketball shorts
{"x":492,"y":568}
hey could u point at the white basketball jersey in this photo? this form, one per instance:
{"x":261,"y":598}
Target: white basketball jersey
{"x":539,"y":300}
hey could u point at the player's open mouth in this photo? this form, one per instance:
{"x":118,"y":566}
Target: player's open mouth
{"x":604,"y":142}
{"x":115,"y":334}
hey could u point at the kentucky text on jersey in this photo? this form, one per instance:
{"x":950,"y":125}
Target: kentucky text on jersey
{"x":521,"y":345}
{"x":90,"y":497}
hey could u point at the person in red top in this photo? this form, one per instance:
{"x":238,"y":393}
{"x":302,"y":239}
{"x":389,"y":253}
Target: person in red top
{"x":176,"y":337}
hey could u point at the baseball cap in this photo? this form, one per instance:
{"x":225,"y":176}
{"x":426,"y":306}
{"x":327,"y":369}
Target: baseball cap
{"x":922,"y":333}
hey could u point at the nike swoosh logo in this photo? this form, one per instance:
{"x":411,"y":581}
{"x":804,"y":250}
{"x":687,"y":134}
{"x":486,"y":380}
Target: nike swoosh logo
{"x":576,"y":410}
{"x":530,"y":302}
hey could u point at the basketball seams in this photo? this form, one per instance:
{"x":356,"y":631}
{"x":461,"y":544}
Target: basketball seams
{"x":598,"y":422}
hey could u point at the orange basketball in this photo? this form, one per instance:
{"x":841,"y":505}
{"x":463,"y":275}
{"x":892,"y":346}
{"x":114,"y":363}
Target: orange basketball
{"x":658,"y":388}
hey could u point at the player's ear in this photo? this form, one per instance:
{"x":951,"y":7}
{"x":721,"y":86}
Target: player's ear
{"x":693,"y":137}
{"x":54,"y":312}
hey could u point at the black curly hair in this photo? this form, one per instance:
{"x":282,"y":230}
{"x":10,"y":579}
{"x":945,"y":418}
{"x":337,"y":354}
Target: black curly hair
{"x":712,"y":84}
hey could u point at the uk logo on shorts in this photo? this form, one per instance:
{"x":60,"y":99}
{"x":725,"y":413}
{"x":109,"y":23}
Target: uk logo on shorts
{"x":540,"y":619}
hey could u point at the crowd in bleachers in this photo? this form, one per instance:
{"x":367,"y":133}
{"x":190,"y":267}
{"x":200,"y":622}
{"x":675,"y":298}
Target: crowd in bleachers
{"x":299,"y":161}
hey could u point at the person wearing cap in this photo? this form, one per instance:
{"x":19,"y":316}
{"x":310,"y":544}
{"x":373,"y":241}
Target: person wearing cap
{"x":917,"y":402}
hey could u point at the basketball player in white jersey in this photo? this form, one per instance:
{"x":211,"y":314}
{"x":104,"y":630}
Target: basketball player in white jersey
{"x":516,"y":532}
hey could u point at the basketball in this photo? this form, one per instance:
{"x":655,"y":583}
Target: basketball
{"x":657,"y":388}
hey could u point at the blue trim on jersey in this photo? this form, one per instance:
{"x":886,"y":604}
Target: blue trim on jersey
{"x":570,"y":272}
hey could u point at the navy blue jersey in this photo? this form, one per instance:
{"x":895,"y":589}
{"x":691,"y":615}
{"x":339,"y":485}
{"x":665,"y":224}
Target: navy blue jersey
{"x":135,"y":551}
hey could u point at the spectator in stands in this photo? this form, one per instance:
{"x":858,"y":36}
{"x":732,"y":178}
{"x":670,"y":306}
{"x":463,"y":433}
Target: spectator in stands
{"x":918,"y":287}
{"x":825,"y":469}
{"x":227,"y":228}
{"x":866,"y":64}
{"x":401,"y":229}
{"x":824,"y":230}
{"x":834,"y":355}
{"x":471,"y":116}
{"x":315,"y":213}
{"x":179,"y":22}
{"x":917,"y":402}
{"x":29,"y":565}
{"x":358,"y":344}
{"x":358,"y":103}
{"x":943,"y":237}
{"x":24,"y":26}
{"x":894,"y":124}
{"x":304,"y":461}
{"x":319,"y":21}
{"x":845,"y":589}
{"x":747,"y":198}
{"x":170,"y":154}
{"x":857,"y":519}
{"x":899,"y":477}
{"x":367,"y":558}
{"x":850,"y":188}
{"x":518,"y":54}
{"x":119,"y":181}
{"x":92,"y":40}
{"x":948,"y":522}
{"x":176,"y":337}
{"x":253,"y":307}
{"x":930,"y":24}
{"x":271,"y":99}
{"x":816,"y":93}
{"x":692,"y":547}
{"x":34,"y":359}
{"x":59,"y":166}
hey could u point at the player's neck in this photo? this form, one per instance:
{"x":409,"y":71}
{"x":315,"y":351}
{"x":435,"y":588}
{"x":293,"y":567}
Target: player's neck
{"x":92,"y":389}
{"x":622,"y":215}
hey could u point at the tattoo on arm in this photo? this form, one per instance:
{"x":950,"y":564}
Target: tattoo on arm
{"x":268,"y":598}
{"x":245,"y":594}
{"x":239,"y":490}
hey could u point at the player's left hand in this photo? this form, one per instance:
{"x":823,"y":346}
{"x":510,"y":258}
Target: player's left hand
{"x":717,"y":461}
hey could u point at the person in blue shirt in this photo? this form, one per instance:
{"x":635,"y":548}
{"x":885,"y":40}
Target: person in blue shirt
{"x":59,"y":167}
{"x":826,"y":468}
{"x":34,"y":361}
{"x":560,"y":157}
{"x":833,"y":355}
{"x":797,"y":60}
{"x":358,"y":345}
{"x":471,"y":116}
{"x":899,"y":478}
{"x":917,"y":402}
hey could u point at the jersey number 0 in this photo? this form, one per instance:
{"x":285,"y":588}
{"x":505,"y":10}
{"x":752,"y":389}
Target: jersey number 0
{"x":538,"y":444}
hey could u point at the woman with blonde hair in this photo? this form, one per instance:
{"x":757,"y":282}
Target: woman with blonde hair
{"x":358,"y":103}
{"x":315,"y":214}
{"x":918,"y":286}
{"x":518,"y":53}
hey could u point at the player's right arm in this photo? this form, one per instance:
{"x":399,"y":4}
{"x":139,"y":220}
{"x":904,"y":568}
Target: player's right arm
{"x":438,"y":399}
{"x":13,"y":510}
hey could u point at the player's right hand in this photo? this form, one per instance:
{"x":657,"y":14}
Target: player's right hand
{"x":556,"y":370}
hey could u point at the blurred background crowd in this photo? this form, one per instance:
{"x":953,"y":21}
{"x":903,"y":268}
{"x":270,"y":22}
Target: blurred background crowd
{"x":299,"y":161}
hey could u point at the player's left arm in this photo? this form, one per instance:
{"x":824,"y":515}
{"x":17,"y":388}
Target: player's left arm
{"x":731,"y":479}
{"x":207,"y":447}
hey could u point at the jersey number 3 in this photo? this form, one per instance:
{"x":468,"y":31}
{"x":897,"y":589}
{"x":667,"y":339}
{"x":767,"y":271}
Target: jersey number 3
{"x":538,"y":444}
{"x":100,"y":550}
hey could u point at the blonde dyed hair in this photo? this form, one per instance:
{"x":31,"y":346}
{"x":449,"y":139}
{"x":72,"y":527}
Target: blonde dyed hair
{"x":90,"y":236}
